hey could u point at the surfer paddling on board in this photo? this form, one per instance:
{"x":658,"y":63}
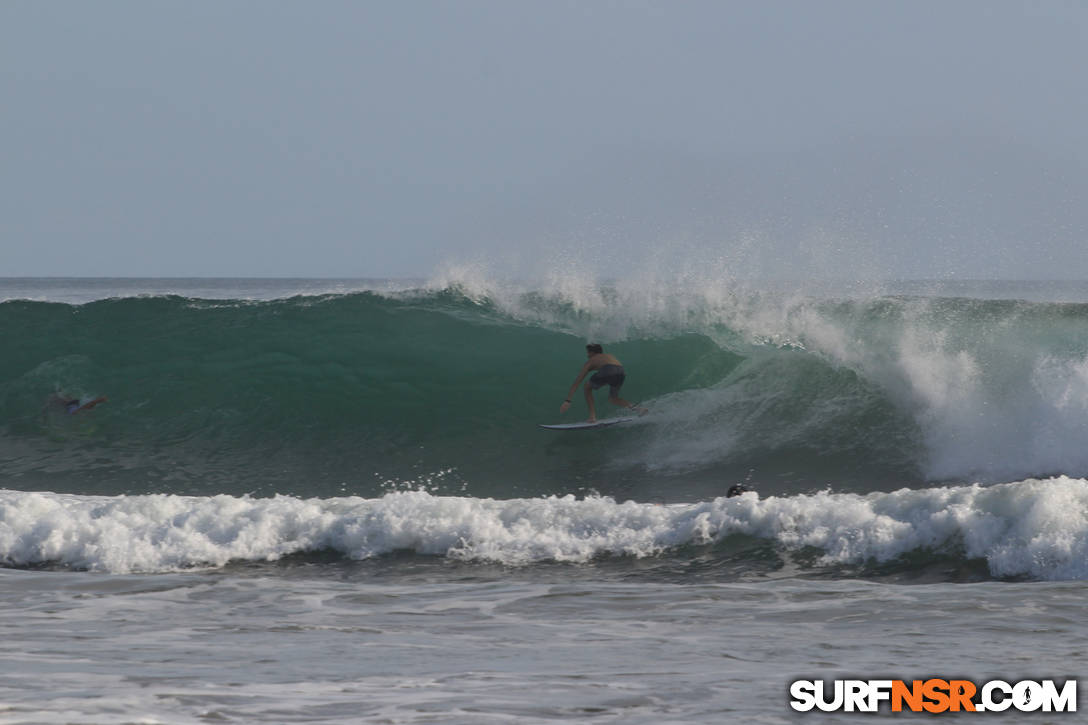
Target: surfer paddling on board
{"x":70,"y":405}
{"x":609,"y":371}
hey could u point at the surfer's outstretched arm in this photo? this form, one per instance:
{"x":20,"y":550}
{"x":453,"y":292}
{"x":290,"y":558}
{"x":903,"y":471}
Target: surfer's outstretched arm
{"x":574,"y":386}
{"x":88,"y":406}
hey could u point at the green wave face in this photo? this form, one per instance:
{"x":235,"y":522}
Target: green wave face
{"x":309,"y":395}
{"x":360,"y":394}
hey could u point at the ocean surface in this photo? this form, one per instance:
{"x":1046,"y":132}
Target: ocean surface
{"x":328,"y":501}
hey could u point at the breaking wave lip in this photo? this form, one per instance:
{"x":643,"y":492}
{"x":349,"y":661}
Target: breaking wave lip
{"x":1035,"y":528}
{"x":998,"y":388}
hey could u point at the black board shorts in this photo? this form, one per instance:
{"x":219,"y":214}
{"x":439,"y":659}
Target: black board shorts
{"x":610,"y":375}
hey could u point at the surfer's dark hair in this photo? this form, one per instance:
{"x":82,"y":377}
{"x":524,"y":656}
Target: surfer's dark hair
{"x":594,"y":348}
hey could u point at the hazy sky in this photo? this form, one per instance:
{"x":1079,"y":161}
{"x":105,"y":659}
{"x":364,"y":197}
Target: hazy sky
{"x":391,"y":138}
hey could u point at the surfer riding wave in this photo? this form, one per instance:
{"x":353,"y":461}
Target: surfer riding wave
{"x":607,"y":371}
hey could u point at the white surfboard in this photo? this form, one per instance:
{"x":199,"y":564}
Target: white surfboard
{"x":585,"y":425}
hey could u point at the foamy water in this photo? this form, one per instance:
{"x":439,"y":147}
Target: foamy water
{"x":364,"y":643}
{"x":1036,"y":529}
